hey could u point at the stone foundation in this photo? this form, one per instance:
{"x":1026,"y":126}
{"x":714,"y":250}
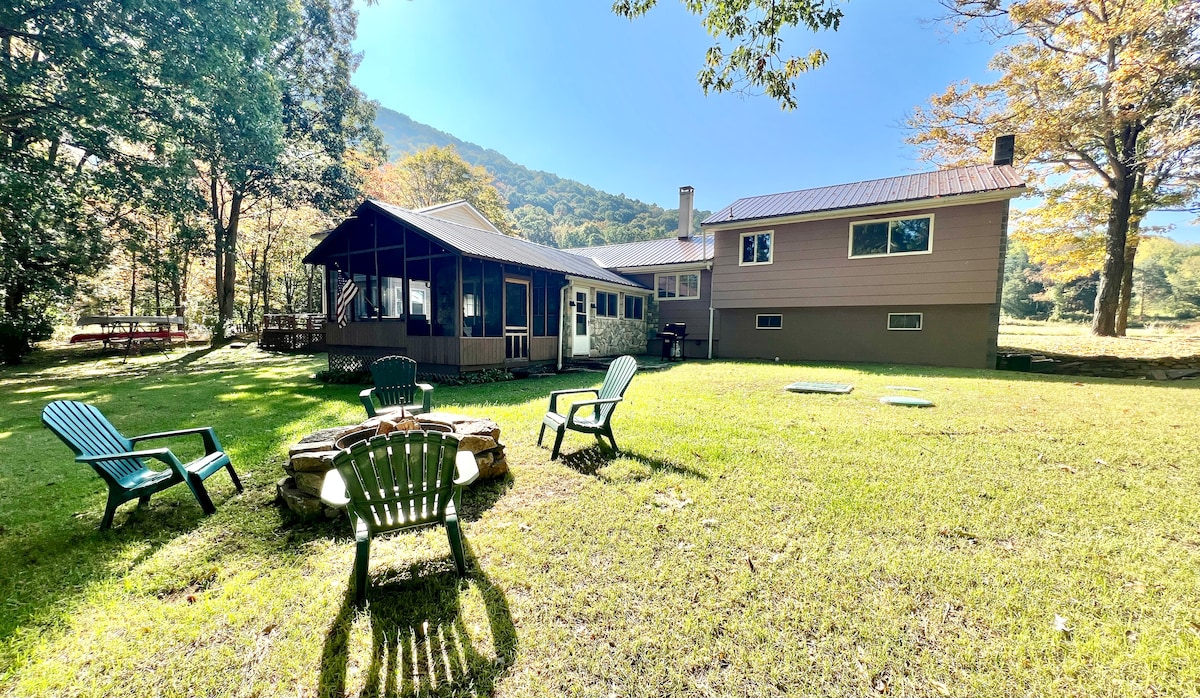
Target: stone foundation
{"x":612,"y":337}
{"x":312,"y":457}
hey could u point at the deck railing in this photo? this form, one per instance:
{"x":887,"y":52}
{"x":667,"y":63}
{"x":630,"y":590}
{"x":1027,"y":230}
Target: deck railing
{"x":299,"y":332}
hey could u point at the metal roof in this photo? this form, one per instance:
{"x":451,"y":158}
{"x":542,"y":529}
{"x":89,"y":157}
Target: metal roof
{"x":649,"y":253}
{"x":975,"y":179}
{"x":498,"y":247}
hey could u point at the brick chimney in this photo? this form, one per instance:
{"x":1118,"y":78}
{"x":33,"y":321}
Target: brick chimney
{"x":685,"y":212}
{"x":1002,"y":150}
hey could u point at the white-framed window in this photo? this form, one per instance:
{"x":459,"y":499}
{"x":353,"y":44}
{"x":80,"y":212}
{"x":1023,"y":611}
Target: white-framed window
{"x":904,"y":321}
{"x":757,"y":248}
{"x":606,"y":304}
{"x":678,"y":287}
{"x":634,"y":307}
{"x":892,"y":236}
{"x":768,"y":321}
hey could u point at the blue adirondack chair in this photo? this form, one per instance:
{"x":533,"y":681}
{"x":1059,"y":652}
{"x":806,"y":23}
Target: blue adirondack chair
{"x":599,"y":421}
{"x":97,"y":442}
{"x":396,"y":386}
{"x":400,"y":480}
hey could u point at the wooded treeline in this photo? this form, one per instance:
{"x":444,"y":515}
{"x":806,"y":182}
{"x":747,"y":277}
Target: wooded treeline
{"x":1165,"y":285}
{"x":546,"y":208}
{"x":169,"y":158}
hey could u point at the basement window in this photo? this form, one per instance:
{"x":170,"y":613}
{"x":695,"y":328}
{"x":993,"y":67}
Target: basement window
{"x":904,"y":321}
{"x":768,"y":322}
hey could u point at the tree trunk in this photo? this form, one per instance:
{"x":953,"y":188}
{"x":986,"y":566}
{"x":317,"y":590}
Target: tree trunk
{"x":227,"y":288}
{"x":132,"y":282}
{"x":1108,"y":295}
{"x":1131,"y":245}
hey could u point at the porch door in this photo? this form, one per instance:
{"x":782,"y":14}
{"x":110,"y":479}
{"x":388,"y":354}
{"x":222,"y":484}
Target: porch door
{"x":581,"y":345}
{"x":516,"y":319}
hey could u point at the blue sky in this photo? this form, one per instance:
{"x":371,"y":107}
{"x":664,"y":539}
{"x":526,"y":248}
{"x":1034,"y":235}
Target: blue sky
{"x":570,"y":88}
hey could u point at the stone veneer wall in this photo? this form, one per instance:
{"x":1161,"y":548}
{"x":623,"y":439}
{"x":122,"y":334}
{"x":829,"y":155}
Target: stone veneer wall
{"x":1168,"y":368}
{"x":613,"y":337}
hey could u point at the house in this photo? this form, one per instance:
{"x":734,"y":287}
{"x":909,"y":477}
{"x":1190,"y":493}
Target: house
{"x":444,"y":287}
{"x":679,"y":272}
{"x":898,"y":270}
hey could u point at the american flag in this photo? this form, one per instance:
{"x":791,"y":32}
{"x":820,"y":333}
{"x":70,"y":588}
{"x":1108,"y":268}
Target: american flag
{"x":347,"y":290}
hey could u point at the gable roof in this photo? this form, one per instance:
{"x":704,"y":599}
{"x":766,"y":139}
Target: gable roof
{"x":486,"y":244}
{"x":649,"y":253}
{"x":959,"y":181}
{"x":459,"y":211}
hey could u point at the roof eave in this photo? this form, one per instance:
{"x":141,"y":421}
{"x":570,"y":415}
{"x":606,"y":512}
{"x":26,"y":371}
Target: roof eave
{"x":874,"y":209}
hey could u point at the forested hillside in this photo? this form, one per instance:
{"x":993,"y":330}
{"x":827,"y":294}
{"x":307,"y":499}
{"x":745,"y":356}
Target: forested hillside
{"x":547,"y":208}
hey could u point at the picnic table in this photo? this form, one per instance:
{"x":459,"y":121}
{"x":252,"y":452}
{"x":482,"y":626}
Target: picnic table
{"x":131,"y":331}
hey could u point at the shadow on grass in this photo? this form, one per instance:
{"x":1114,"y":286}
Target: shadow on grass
{"x":590,"y":460}
{"x":49,"y":568}
{"x":420,"y":642}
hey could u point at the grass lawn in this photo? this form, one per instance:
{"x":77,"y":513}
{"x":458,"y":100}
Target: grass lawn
{"x":1156,"y":340}
{"x":1029,"y":535}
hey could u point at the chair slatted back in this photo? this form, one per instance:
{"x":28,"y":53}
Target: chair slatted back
{"x":88,"y":433}
{"x":616,"y":381}
{"x":401,"y":479}
{"x":395,"y":379}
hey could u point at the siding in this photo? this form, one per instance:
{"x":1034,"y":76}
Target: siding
{"x":692,"y":312}
{"x":810,"y":265}
{"x":952,"y":335}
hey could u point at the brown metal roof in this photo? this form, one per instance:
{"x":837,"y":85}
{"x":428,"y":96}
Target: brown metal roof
{"x":975,"y":179}
{"x":498,"y":247}
{"x":649,"y":252}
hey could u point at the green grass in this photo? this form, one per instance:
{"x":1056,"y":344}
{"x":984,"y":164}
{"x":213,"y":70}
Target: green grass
{"x":747,"y":542}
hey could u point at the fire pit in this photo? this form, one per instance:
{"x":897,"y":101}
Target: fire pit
{"x":312,"y":456}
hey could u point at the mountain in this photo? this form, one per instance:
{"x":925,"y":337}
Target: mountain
{"x":547,"y":208}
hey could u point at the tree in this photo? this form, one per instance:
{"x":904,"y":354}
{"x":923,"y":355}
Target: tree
{"x":436,"y":176}
{"x":748,"y":55}
{"x":278,"y":119}
{"x":1022,"y":283}
{"x":74,"y":109}
{"x":1101,"y":95}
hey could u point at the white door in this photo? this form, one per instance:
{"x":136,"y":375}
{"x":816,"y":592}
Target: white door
{"x":581,"y":344}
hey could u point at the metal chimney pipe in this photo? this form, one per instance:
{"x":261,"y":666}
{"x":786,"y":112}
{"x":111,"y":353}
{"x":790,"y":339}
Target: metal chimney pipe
{"x":685,"y":212}
{"x":1002,"y":150}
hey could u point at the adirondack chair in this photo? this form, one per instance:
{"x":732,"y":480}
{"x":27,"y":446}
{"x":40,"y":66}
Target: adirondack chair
{"x":396,"y":387}
{"x":400,"y":480}
{"x":97,"y":442}
{"x":599,"y":422}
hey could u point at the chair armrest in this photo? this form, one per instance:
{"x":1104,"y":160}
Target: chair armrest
{"x":333,"y":490}
{"x":426,"y":397}
{"x":555,"y":393}
{"x":365,"y":397}
{"x":161,"y":454}
{"x":468,"y":469}
{"x":586,"y":403}
{"x":208,"y":434}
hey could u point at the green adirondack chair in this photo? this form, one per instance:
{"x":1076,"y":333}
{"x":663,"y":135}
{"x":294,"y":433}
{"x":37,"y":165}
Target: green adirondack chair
{"x":97,"y":442}
{"x":599,"y":422}
{"x":400,"y":480}
{"x":396,"y":387}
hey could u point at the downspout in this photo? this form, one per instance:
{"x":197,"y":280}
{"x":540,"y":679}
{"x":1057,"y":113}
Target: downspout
{"x":562,"y":321}
{"x":711,"y":310}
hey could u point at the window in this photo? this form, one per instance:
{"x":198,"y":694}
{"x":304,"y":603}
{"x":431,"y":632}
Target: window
{"x":768,"y":322}
{"x":904,"y":321}
{"x":756,"y":248}
{"x":634,"y":307}
{"x":606,"y":304}
{"x":685,"y":286}
{"x":897,"y":236}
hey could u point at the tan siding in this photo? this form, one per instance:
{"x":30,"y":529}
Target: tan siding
{"x":694,"y":313}
{"x":810,"y":265}
{"x":368,"y":334}
{"x":482,"y":351}
{"x":543,"y":348}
